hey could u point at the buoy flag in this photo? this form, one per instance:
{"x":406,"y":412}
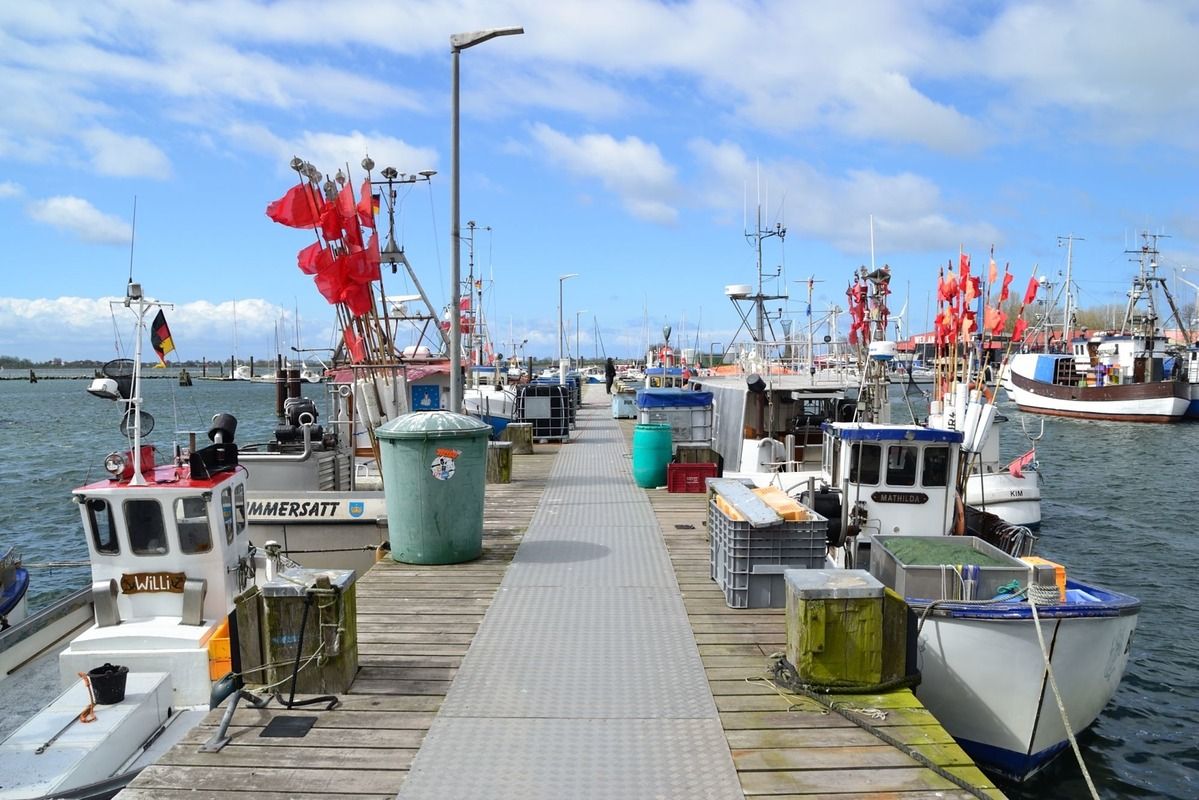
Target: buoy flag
{"x":160,"y":337}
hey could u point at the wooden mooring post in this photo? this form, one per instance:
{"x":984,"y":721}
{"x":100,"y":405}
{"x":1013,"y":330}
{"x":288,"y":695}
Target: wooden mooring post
{"x":520,"y":434}
{"x":499,"y":462}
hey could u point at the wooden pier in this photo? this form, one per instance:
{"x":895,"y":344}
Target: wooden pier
{"x":416,"y":624}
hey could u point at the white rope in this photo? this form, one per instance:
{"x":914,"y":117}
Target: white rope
{"x":1033,"y":599}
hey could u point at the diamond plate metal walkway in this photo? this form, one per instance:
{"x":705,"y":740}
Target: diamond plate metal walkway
{"x":584,"y":679}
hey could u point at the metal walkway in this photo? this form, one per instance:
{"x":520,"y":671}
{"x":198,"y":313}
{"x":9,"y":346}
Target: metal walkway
{"x":584,"y":679}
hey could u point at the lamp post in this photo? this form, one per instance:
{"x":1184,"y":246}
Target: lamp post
{"x":458,"y":43}
{"x":561,"y":334}
{"x":578,"y":352}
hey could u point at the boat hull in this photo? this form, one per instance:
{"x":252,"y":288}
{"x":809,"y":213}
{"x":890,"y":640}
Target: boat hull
{"x":985,"y":680}
{"x":1014,"y":500}
{"x":1159,"y":401}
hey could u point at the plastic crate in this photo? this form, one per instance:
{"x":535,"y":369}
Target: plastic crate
{"x":734,"y":533}
{"x":688,"y":478}
{"x":765,"y":587}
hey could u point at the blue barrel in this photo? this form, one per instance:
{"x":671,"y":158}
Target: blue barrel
{"x":651,"y":454}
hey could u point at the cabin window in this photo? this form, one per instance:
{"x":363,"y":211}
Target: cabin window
{"x":102,"y":527}
{"x":147,"y":531}
{"x":239,"y":506}
{"x":227,"y":512}
{"x":901,"y":465}
{"x":864,"y":463}
{"x":936,"y":466}
{"x":191,"y":520}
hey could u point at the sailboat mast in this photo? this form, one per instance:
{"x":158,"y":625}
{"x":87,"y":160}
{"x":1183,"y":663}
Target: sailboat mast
{"x":1069,"y":310}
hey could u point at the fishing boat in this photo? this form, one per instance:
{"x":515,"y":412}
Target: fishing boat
{"x":1015,"y":658}
{"x":1130,"y":375}
{"x":169,"y":550}
{"x":1011,"y":675}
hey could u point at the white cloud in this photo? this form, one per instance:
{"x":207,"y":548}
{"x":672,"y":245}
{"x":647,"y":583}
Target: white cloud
{"x":125,"y":156}
{"x":10,"y":189}
{"x":331,"y":151}
{"x":632,"y":169}
{"x":908,"y":210}
{"x":79,"y":217}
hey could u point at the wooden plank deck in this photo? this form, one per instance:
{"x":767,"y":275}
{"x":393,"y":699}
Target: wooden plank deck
{"x":787,"y":746}
{"x":415,"y":624}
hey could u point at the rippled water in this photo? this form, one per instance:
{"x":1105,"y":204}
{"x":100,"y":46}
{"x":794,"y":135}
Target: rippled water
{"x":1117,"y":511}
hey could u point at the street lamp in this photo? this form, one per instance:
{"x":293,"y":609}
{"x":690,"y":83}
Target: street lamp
{"x":578,"y":352}
{"x":458,"y":43}
{"x":561,"y":335}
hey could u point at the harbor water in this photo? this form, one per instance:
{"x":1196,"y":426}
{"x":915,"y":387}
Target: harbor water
{"x":1116,"y":510}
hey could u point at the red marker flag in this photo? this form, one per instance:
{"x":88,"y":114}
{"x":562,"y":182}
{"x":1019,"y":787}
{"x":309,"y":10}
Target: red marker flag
{"x":1007,"y":281}
{"x":1030,"y":293}
{"x":300,"y":207}
{"x":160,"y":337}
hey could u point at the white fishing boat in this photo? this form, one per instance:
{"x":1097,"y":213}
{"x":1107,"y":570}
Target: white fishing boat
{"x":1014,"y":666}
{"x":1126,"y":376}
{"x":169,"y":551}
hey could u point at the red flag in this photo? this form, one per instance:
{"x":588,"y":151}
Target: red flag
{"x":299,"y":207}
{"x":358,"y":268}
{"x":353,"y":235}
{"x":970,"y":288}
{"x":366,"y":205}
{"x":1007,"y":281}
{"x":994,"y":271}
{"x":358,"y":298}
{"x":331,"y":282}
{"x":346,"y":205}
{"x":1018,"y":464}
{"x":1030,"y":293}
{"x":1018,"y":330}
{"x":313,"y":258}
{"x":354,"y":345}
{"x":372,"y":251}
{"x":968,"y":326}
{"x":965,"y":266}
{"x":995,"y":320}
{"x":951,"y":286}
{"x":331,"y":222}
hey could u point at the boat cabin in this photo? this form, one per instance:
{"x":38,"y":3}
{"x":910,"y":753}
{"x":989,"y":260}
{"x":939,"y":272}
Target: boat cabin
{"x":893,"y":479}
{"x":169,"y":552}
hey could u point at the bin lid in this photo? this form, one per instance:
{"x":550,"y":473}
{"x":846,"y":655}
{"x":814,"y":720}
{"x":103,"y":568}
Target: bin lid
{"x":833,"y":584}
{"x":431,"y":425}
{"x":296,"y":581}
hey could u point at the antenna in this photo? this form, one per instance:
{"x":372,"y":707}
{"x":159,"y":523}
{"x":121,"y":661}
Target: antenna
{"x":132,"y":234}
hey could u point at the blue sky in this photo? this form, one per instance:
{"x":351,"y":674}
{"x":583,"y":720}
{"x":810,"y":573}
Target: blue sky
{"x":623,"y":141}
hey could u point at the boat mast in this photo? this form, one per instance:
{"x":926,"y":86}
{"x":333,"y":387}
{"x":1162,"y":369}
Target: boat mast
{"x":1143,"y":286}
{"x":760,"y":298}
{"x":135,"y":300}
{"x":1069,"y":239}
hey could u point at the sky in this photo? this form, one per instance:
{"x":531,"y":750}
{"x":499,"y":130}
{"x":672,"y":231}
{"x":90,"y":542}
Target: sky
{"x":631,"y":142}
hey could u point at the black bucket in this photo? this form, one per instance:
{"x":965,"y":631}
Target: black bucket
{"x":108,"y":683}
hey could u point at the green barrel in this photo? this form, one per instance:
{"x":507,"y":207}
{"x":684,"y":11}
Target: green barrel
{"x":434,"y":474}
{"x":651,"y":454}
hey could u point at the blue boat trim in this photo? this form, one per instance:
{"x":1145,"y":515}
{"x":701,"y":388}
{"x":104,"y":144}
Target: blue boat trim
{"x":1012,"y":765}
{"x":1109,"y":604}
{"x":854,"y":432}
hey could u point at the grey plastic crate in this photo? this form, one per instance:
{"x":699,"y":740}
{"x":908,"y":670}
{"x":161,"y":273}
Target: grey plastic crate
{"x":740,"y":533}
{"x":764,"y":587}
{"x":804,"y":557}
{"x":924,"y":581}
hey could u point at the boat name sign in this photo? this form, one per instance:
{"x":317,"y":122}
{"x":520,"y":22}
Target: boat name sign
{"x":907,"y":498}
{"x":137,"y":582}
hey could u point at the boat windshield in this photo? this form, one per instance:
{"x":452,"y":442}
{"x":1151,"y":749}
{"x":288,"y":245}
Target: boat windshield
{"x":147,"y":531}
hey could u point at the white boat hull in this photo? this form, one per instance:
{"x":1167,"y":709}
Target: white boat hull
{"x":1014,"y":500}
{"x":984,"y":678}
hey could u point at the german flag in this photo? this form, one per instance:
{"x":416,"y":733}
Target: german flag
{"x":160,"y":337}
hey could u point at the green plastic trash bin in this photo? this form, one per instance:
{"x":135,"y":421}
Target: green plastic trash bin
{"x":651,"y":454}
{"x":434,"y":475}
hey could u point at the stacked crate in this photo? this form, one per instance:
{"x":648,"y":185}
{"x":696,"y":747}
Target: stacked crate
{"x":755,"y":536}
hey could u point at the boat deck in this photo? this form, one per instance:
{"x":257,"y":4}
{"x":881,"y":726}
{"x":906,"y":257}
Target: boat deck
{"x":603,"y":662}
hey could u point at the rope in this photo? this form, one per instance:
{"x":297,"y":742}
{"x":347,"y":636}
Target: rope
{"x":88,"y":714}
{"x":785,"y":675}
{"x":1033,"y":600}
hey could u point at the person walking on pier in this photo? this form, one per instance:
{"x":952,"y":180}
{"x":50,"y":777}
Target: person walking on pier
{"x":609,"y":374}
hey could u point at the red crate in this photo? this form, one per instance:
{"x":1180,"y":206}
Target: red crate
{"x":682,"y":478}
